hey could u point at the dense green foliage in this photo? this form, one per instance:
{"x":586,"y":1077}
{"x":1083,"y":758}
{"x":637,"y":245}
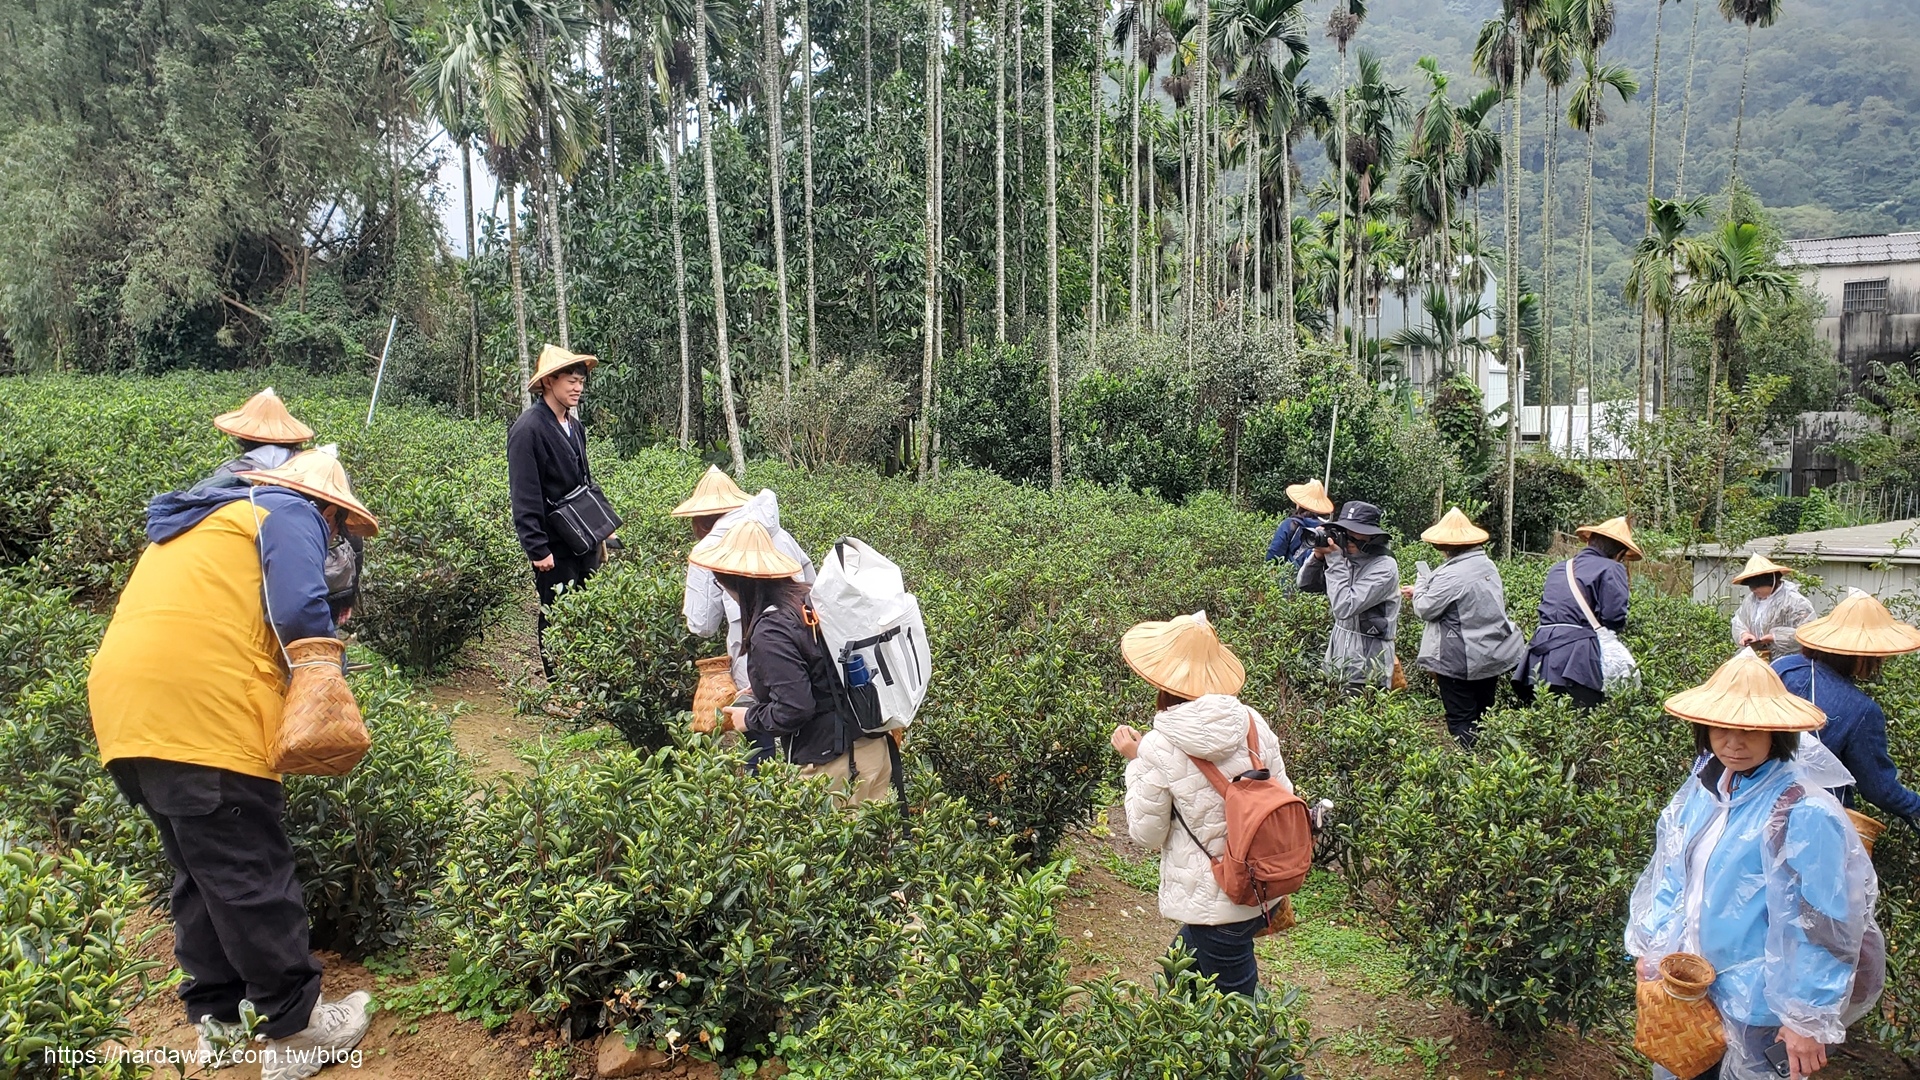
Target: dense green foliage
{"x":70,"y":968}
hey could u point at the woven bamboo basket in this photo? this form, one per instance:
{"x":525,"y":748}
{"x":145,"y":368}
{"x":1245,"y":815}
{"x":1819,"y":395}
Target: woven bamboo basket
{"x":321,"y":732}
{"x":1868,"y":828}
{"x":715,"y":692}
{"x":1677,"y":1027}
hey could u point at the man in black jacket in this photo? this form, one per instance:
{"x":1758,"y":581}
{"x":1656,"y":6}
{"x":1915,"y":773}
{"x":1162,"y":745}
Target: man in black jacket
{"x":547,"y":459}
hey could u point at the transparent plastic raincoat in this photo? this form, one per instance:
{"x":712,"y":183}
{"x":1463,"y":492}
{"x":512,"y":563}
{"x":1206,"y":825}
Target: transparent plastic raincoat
{"x":1771,"y":884}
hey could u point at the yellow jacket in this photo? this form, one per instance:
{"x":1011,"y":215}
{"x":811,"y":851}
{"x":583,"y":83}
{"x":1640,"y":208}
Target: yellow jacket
{"x":189,"y":669}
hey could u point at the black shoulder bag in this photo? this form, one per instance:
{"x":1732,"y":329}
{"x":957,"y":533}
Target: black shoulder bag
{"x":583,"y":518}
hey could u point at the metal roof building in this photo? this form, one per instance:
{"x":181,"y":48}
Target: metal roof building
{"x":1882,"y":559}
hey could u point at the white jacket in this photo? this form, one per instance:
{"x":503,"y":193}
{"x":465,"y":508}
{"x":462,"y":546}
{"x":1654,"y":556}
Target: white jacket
{"x":1161,"y":779}
{"x":708,"y":607}
{"x":1781,"y":614}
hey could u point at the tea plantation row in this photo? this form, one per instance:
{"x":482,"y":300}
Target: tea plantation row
{"x":1505,"y":870}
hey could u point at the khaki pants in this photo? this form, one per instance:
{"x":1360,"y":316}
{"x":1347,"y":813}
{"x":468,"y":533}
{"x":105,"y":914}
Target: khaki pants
{"x":875,"y":766}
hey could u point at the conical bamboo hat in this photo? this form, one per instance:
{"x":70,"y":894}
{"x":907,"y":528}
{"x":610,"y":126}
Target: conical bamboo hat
{"x":1759,"y":566}
{"x":1746,"y":694}
{"x":1311,"y":495}
{"x":1183,"y":657}
{"x":747,"y":551}
{"x":1455,"y":529}
{"x":1860,"y":625}
{"x":318,"y":473}
{"x":553,"y":358}
{"x":1613,"y":529}
{"x":716,"y":493}
{"x":264,"y":419}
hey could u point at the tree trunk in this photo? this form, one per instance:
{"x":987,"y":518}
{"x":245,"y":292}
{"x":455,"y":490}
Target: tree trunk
{"x":774,"y":81}
{"x":806,"y":176}
{"x":1050,"y":139}
{"x":674,"y":121}
{"x":1740,"y":117}
{"x":930,"y":315}
{"x":715,"y":254}
{"x":555,"y":242}
{"x":1289,"y":334}
{"x":1154,"y":250}
{"x":1020,"y":155}
{"x":1510,"y":340}
{"x":1093,"y":187}
{"x":1686,"y":103}
{"x":466,"y":277}
{"x":1000,"y":173}
{"x":1133,"y":175}
{"x":1340,"y":209}
{"x":1653,"y":125}
{"x":1586,"y":259}
{"x":866,"y":61}
{"x":519,"y":292}
{"x":1246,"y":216}
{"x":1546,"y":278}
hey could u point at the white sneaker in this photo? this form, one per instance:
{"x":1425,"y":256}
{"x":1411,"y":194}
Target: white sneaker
{"x":218,"y":1040}
{"x":335,"y":1028}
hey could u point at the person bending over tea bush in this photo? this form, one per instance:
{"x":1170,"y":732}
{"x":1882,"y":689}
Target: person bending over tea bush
{"x":1757,"y":870}
{"x":795,"y":689}
{"x":1848,"y":647}
{"x":1469,"y":643}
{"x":1770,"y":617}
{"x":1566,"y":652}
{"x":715,"y":507}
{"x":1172,"y":804}
{"x":186,"y":692}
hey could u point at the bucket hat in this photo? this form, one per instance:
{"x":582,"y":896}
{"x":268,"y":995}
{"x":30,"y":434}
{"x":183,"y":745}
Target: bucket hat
{"x":553,"y":358}
{"x":1746,"y":695}
{"x":745,"y":551}
{"x":1456,"y":530}
{"x":716,"y":493}
{"x":1360,"y":518}
{"x":1311,"y":495}
{"x":264,"y":419}
{"x":317,"y":473}
{"x":1760,"y":566}
{"x":1859,"y":625}
{"x":1183,"y":657}
{"x":1613,"y":529}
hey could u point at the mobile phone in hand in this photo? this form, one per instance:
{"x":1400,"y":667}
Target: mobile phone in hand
{"x":1777,"y":1057}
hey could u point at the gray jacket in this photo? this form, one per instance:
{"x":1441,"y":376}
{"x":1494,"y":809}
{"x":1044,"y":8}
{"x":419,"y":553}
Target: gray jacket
{"x":1464,"y":606}
{"x":1364,"y":593}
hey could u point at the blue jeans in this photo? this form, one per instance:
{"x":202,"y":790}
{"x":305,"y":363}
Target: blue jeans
{"x":1226,"y":953}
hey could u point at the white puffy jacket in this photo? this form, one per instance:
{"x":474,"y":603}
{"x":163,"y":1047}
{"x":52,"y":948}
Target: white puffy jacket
{"x":1161,"y":778}
{"x":708,"y":607}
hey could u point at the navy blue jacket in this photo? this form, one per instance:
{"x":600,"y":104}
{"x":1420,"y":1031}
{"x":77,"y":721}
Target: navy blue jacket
{"x":293,"y":549}
{"x":1564,"y":648}
{"x":1290,"y":539}
{"x":1856,"y":732}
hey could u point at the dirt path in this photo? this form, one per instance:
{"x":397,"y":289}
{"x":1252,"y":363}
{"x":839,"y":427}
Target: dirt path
{"x":1353,"y":984}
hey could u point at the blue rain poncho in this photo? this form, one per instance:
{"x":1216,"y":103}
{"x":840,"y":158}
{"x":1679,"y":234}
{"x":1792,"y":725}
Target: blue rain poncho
{"x":1771,"y":884}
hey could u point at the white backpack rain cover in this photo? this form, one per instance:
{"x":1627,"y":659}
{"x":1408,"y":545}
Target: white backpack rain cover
{"x":865,"y":609}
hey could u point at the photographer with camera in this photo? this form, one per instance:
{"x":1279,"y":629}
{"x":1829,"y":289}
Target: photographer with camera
{"x":1352,"y":563}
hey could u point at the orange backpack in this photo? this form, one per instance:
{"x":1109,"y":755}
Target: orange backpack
{"x":1269,"y":834}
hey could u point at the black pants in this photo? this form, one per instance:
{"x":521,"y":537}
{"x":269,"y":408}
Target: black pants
{"x":1226,"y":953}
{"x":239,"y":918}
{"x":570,"y":571}
{"x":1466,"y":701}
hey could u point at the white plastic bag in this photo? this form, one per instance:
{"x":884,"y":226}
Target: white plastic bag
{"x":1618,"y":669}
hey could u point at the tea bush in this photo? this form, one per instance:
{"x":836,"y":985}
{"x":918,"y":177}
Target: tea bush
{"x":70,"y":969}
{"x":368,"y":845}
{"x":81,"y":456}
{"x":1896,"y":857}
{"x":46,"y":734}
{"x":693,"y":902}
{"x":620,"y":647}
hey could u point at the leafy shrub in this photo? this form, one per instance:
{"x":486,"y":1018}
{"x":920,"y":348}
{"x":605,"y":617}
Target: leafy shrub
{"x":1548,"y":493}
{"x":368,"y":845}
{"x":69,"y":968}
{"x":838,"y":412}
{"x":46,"y":732}
{"x":621,"y":648}
{"x":993,"y":411}
{"x":1896,"y":857}
{"x":704,"y":904}
{"x":1135,"y":427}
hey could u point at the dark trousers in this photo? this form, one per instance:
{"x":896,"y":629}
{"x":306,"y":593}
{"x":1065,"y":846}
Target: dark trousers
{"x":1466,"y":701}
{"x":1226,"y":953}
{"x":569,"y":571}
{"x":239,"y":918}
{"x":1584,"y":697}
